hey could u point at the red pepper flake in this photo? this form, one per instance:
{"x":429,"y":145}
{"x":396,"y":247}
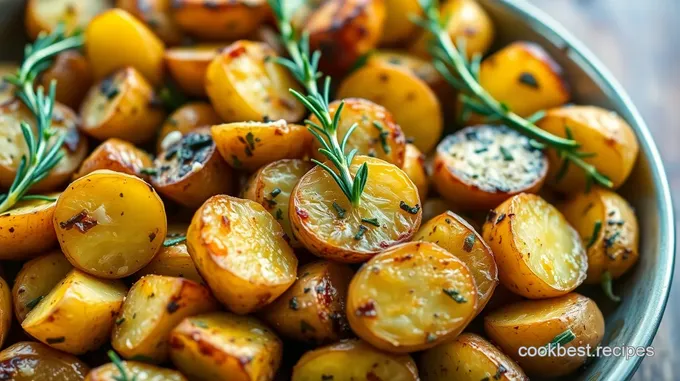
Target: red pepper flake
{"x":367,"y":309}
{"x":234,"y":52}
{"x":81,"y":221}
{"x":302,"y":213}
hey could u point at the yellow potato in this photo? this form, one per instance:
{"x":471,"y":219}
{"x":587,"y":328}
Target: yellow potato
{"x":455,"y":235}
{"x":223,"y":346}
{"x":271,"y":187}
{"x":73,"y":74}
{"x":188,"y":117}
{"x":240,"y":251}
{"x":398,"y":27}
{"x":74,"y":14}
{"x":6,"y":88}
{"x":134,"y":370}
{"x":329,"y":226}
{"x":152,"y":308}
{"x":36,"y":279}
{"x":243,"y":84}
{"x":110,"y":224}
{"x":157,"y":15}
{"x":78,"y":314}
{"x":479,"y":167}
{"x":250,"y":145}
{"x":5,"y":310}
{"x":599,"y":131}
{"x":414,"y":167}
{"x":219,"y":19}
{"x":189,"y":64}
{"x":31,"y":361}
{"x":123,"y":106}
{"x":26,"y":230}
{"x":313,"y":308}
{"x":413,"y":104}
{"x":537,"y":323}
{"x":354,"y":360}
{"x":116,"y":155}
{"x":132,"y":45}
{"x":173,"y":258}
{"x":539,"y":255}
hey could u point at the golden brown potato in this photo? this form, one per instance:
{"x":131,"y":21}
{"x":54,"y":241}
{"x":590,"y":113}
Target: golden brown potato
{"x":539,"y":255}
{"x":5,"y":310}
{"x":219,"y":19}
{"x":250,"y":145}
{"x":31,"y":361}
{"x":598,"y":131}
{"x":157,"y":15}
{"x":188,"y":66}
{"x":74,"y":14}
{"x":398,"y":27}
{"x":313,"y":308}
{"x":271,"y":187}
{"x":538,"y":323}
{"x":116,"y":155}
{"x":110,"y":224}
{"x":243,"y":84}
{"x":123,"y":106}
{"x":152,"y":308}
{"x":173,"y":258}
{"x":78,"y":314}
{"x":73,"y":74}
{"x":479,"y":167}
{"x":329,"y":226}
{"x":198,"y":347}
{"x":134,"y":370}
{"x":13,"y":144}
{"x":188,"y":117}
{"x":240,"y":251}
{"x":26,"y":230}
{"x":6,"y":88}
{"x":36,"y":279}
{"x":413,"y":104}
{"x":468,"y":358}
{"x":132,"y":45}
{"x":354,"y":360}
{"x":414,"y":167}
{"x":455,"y":235}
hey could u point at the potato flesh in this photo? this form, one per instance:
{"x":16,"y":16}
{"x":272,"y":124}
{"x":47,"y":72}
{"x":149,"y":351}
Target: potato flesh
{"x":31,"y":361}
{"x":139,"y":370}
{"x":414,"y":166}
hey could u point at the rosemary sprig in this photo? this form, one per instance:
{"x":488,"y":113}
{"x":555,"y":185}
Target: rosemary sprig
{"x":562,"y":339}
{"x":42,"y":156}
{"x":463,"y":74}
{"x":123,"y":376}
{"x":304,"y":67}
{"x":606,"y":283}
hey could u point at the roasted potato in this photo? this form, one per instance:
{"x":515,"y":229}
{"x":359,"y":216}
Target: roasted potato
{"x":599,"y":131}
{"x":78,"y":314}
{"x":329,"y":226}
{"x":219,"y":19}
{"x":539,"y":255}
{"x":432,"y":207}
{"x":73,"y":74}
{"x":479,"y":167}
{"x":13,"y":144}
{"x":188,"y":117}
{"x":74,"y":14}
{"x":26,"y":230}
{"x":398,"y":27}
{"x":413,"y":104}
{"x":157,"y":15}
{"x":134,"y":370}
{"x":6,"y":88}
{"x":468,"y":358}
{"x":250,"y":145}
{"x":5,"y":310}
{"x":110,"y":224}
{"x":354,"y":360}
{"x":36,"y":279}
{"x":132,"y":45}
{"x":538,"y":323}
{"x":173,"y":258}
{"x":116,"y":155}
{"x":271,"y":187}
{"x":152,"y":308}
{"x":414,"y":167}
{"x":452,"y":233}
{"x":122,"y":105}
{"x":31,"y":361}
{"x":240,"y":251}
{"x":223,"y":346}
{"x":313,"y":308}
{"x":188,"y":66}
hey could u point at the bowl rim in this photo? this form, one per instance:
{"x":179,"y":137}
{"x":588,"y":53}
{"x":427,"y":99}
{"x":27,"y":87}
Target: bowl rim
{"x":642,"y":335}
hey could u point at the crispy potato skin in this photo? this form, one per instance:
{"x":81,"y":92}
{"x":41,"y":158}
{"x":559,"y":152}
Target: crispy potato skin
{"x":414,"y":166}
{"x":116,"y":155}
{"x":468,"y":358}
{"x":535,"y":323}
{"x":521,"y":254}
{"x":219,"y":19}
{"x":597,"y":130}
{"x":26,"y":230}
{"x":6,"y":88}
{"x":72,"y":72}
{"x":41,"y":15}
{"x":188,"y":65}
{"x":354,"y":359}
{"x":156,"y":14}
{"x":188,"y":117}
{"x":5,"y":310}
{"x":198,"y":347}
{"x":143,"y":372}
{"x":31,"y":361}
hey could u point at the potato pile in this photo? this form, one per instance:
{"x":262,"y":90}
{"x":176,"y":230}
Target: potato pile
{"x":199,"y":242}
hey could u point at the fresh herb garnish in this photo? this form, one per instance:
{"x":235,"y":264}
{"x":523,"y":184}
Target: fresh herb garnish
{"x":606,"y":283}
{"x":507,"y":156}
{"x":30,"y":305}
{"x":148,"y":171}
{"x":275,"y":192}
{"x":172,"y":241}
{"x":596,"y":233}
{"x":123,"y":376}
{"x":469,"y":242}
{"x":279,"y":214}
{"x":360,"y":233}
{"x":563,"y":338}
{"x":411,"y":209}
{"x":383,"y":136}
{"x":455,"y":295}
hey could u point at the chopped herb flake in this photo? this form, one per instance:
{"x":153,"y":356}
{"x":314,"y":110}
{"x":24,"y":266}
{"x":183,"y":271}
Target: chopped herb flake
{"x":293,"y":304}
{"x":148,"y":171}
{"x":609,"y":241}
{"x":339,"y":210}
{"x":55,"y":340}
{"x":172,"y":241}
{"x":30,"y":305}
{"x":507,"y":156}
{"x":455,"y":295}
{"x":360,"y":233}
{"x":120,"y":321}
{"x":372,"y":221}
{"x":469,"y":242}
{"x":200,"y":324}
{"x":529,"y":80}
{"x":562,"y":339}
{"x":275,"y":192}
{"x":383,"y":136}
{"x":595,"y":235}
{"x":279,"y":214}
{"x":411,"y":209}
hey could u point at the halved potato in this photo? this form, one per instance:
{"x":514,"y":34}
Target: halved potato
{"x":411,"y":297}
{"x":329,"y":226}
{"x":31,"y":361}
{"x":539,"y":255}
{"x":157,"y":15}
{"x":414,"y":167}
{"x":26,"y":230}
{"x":13,"y":144}
{"x":36,"y":279}
{"x":599,"y":131}
{"x":240,"y":251}
{"x":78,"y":314}
{"x":188,"y":65}
{"x":134,"y":370}
{"x":123,"y":106}
{"x":5,"y":310}
{"x":271,"y":187}
{"x":6,"y":88}
{"x":223,"y":346}
{"x":110,"y":224}
{"x":116,"y":155}
{"x":244,"y":84}
{"x":250,"y":145}
{"x":173,"y":258}
{"x":152,"y":308}
{"x":537,"y":323}
{"x":188,"y":117}
{"x":479,"y":167}
{"x":468,"y":358}
{"x":74,"y":14}
{"x":73,"y":74}
{"x":452,"y":233}
{"x":354,"y":360}
{"x":219,"y":19}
